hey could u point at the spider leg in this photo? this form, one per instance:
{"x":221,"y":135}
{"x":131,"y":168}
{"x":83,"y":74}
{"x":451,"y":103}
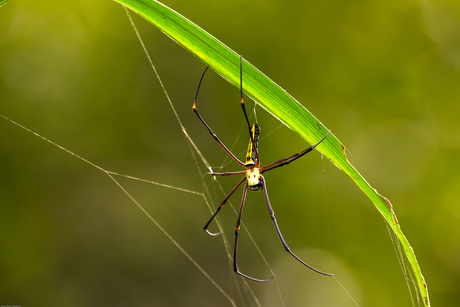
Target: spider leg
{"x":286,"y":247}
{"x":228,"y":173}
{"x":237,"y":229}
{"x":286,"y":161}
{"x":244,"y":110}
{"x":220,"y":207}
{"x":206,"y":125}
{"x":241,"y":93}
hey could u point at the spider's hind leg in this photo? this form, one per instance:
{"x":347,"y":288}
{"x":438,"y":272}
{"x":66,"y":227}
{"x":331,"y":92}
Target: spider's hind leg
{"x":237,"y":230}
{"x":286,"y":247}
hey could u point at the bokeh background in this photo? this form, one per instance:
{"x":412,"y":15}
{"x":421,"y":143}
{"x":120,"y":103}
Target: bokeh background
{"x":384,"y":76}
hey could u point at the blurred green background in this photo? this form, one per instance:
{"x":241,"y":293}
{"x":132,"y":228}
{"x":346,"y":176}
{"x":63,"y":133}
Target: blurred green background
{"x":384,"y":76}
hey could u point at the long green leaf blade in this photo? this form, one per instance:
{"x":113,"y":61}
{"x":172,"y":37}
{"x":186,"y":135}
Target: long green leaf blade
{"x":275,"y":100}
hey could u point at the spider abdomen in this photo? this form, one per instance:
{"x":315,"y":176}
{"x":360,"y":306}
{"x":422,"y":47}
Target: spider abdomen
{"x":252,"y":158}
{"x":253,"y":178}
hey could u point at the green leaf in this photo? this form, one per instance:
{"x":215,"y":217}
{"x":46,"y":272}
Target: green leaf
{"x":2,"y":2}
{"x":275,"y":100}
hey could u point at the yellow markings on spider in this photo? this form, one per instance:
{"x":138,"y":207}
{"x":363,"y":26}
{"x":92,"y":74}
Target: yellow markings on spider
{"x":253,"y":176}
{"x":252,"y":147}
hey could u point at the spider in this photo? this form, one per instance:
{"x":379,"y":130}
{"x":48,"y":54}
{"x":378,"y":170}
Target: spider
{"x":253,"y":177}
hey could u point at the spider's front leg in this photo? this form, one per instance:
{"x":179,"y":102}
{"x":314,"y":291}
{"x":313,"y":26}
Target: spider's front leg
{"x":214,"y":136}
{"x":287,"y":160}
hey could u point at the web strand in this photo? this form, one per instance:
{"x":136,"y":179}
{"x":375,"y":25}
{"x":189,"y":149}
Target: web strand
{"x":208,"y":166}
{"x":405,"y":268}
{"x":197,"y":155}
{"x":194,"y":148}
{"x":165,"y":92}
{"x":111,"y":175}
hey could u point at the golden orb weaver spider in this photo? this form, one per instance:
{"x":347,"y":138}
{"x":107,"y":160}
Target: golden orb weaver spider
{"x":253,"y":177}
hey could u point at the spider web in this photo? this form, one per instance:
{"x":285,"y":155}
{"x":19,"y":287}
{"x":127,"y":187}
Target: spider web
{"x":236,"y":293}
